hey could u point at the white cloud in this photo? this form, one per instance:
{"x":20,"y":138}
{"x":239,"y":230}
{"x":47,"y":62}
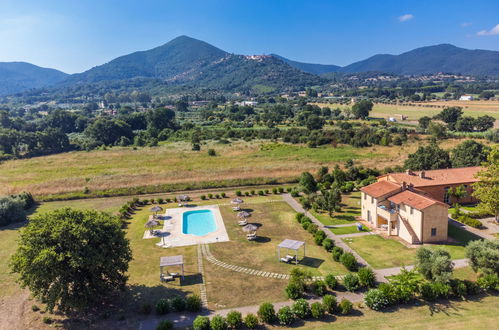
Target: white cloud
{"x":491,"y":32}
{"x":405,"y":18}
{"x":465,"y":24}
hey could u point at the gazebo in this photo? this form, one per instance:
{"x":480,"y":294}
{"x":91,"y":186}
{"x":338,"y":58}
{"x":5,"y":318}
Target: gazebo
{"x":168,"y":262}
{"x":238,"y":202}
{"x":290,"y":244}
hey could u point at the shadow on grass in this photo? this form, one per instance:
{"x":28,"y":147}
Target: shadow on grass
{"x":262,"y":239}
{"x":14,"y":226}
{"x":311,"y":262}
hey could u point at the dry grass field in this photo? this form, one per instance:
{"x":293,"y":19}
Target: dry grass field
{"x":175,"y":163}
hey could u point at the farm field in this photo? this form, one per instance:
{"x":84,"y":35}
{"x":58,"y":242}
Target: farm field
{"x":175,"y":164}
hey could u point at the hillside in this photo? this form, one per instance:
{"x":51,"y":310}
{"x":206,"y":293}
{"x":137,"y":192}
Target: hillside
{"x":432,"y":59}
{"x":20,"y":76}
{"x":310,"y":67}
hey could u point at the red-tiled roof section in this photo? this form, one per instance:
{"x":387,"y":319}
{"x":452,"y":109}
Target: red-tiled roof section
{"x":414,"y":200}
{"x":437,"y":177}
{"x":380,"y":188}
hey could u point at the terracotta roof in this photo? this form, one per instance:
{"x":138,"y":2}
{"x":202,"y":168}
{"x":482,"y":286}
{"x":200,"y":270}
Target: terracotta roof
{"x":414,"y":200}
{"x":380,"y":188}
{"x":437,"y":177}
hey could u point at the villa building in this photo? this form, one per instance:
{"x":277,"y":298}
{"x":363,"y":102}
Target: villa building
{"x":414,"y":205}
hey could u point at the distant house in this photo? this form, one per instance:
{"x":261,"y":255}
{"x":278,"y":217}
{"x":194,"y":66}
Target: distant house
{"x":466,"y":98}
{"x":414,"y":205}
{"x":250,"y":103}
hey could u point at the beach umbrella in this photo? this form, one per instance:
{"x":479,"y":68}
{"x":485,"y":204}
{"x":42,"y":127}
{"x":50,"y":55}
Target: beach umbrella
{"x":156,"y":209}
{"x":183,"y":198}
{"x":237,"y":201}
{"x":250,"y":228}
{"x":243,"y":214}
{"x":151,"y":223}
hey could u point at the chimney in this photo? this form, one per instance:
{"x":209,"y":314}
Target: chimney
{"x":404,"y":185}
{"x":411,"y":187}
{"x":408,"y":172}
{"x":422,"y":174}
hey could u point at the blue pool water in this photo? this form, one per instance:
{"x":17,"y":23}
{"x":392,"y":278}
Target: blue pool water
{"x":199,"y":223}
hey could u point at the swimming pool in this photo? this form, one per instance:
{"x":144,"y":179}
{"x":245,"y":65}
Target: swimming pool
{"x":199,"y":222}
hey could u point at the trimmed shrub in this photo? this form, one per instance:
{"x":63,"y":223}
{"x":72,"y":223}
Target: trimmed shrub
{"x":246,"y":193}
{"x":376,"y":299}
{"x":201,"y":323}
{"x":312,"y":228}
{"x":203,"y":197}
{"x":390,"y":292}
{"x":35,"y":308}
{"x":305,"y":224}
{"x":331,"y":281}
{"x":193,"y":303}
{"x":160,"y":200}
{"x":234,"y":320}
{"x":266,"y":313}
{"x":299,"y":217}
{"x":467,"y":220}
{"x":489,"y":282}
{"x":217,"y":196}
{"x":319,"y":288}
{"x":274,"y":191}
{"x":47,"y":320}
{"x":162,"y":307}
{"x":210,"y":196}
{"x":337,"y":253}
{"x":348,"y":260}
{"x":351,"y":282}
{"x":427,"y":292}
{"x":146,"y":309}
{"x":218,"y":323}
{"x":223,"y":195}
{"x":366,"y":277}
{"x":472,"y":288}
{"x":165,"y":325}
{"x":328,"y":244}
{"x":345,"y":306}
{"x":329,"y":303}
{"x":458,"y":288}
{"x":294,"y":289}
{"x":178,"y":304}
{"x":319,"y":237}
{"x":239,"y":193}
{"x":301,"y":309}
{"x":295,"y":193}
{"x":317,"y":310}
{"x":251,"y":321}
{"x":442,"y":290}
{"x":252,"y":192}
{"x":266,"y":191}
{"x":261,"y":193}
{"x":285,"y":315}
{"x":212,"y":152}
{"x":280,"y":190}
{"x":289,"y":189}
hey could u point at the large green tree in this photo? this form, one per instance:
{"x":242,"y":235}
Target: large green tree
{"x":434,"y":265}
{"x":469,"y":153}
{"x":487,"y":189}
{"x":307,"y":183}
{"x":71,"y":258}
{"x":429,"y":157}
{"x":484,"y":256}
{"x":450,"y":115}
{"x":362,"y":108}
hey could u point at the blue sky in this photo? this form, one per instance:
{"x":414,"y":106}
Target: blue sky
{"x":74,"y":36}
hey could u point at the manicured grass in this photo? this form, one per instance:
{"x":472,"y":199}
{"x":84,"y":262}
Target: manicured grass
{"x":350,"y":208}
{"x":465,"y":273}
{"x":348,"y":230}
{"x":382,"y":252}
{"x":8,"y":245}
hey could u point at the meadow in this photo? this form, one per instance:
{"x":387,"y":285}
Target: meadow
{"x":174,"y":166}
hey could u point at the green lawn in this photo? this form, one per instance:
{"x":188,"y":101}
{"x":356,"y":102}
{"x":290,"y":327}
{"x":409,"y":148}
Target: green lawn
{"x":350,"y":208}
{"x":347,"y":230}
{"x":382,"y":252}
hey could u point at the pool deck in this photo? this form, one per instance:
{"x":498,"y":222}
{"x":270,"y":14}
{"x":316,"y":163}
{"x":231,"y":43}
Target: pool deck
{"x":172,"y":234}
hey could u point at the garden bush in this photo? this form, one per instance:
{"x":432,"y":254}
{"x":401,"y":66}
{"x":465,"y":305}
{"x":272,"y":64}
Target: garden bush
{"x":328,"y":244}
{"x":472,"y":288}
{"x":217,"y":196}
{"x":467,"y":220}
{"x":294,"y":289}
{"x":193,"y":303}
{"x":458,"y":288}
{"x":376,"y":299}
{"x":178,"y":304}
{"x":234,"y":320}
{"x":160,"y":200}
{"x":246,"y":193}
{"x":266,"y":191}
{"x":366,"y":277}
{"x":317,"y":310}
{"x":165,"y":325}
{"x":239,"y":193}
{"x":280,"y":190}
{"x":210,"y":196}
{"x":345,"y":306}
{"x":162,"y":307}
{"x":331,"y":281}
{"x":218,"y":323}
{"x":489,"y":282}
{"x":301,"y":309}
{"x":299,"y":217}
{"x":253,"y":192}
{"x":427,"y":292}
{"x":201,"y":323}
{"x":212,"y":152}
{"x":329,"y":303}
{"x":266,"y":313}
{"x":261,"y":193}
{"x":391,"y":292}
{"x":295,"y":194}
{"x":47,"y":320}
{"x":223,"y":195}
{"x":351,"y":282}
{"x":312,"y":228}
{"x":319,"y":237}
{"x":305,"y":224}
{"x":203,"y":197}
{"x":337,"y":253}
{"x":285,"y":315}
{"x":251,"y":321}
{"x":319,"y":288}
{"x":348,"y":260}
{"x":35,"y":308}
{"x":274,"y":191}
{"x":146,"y":309}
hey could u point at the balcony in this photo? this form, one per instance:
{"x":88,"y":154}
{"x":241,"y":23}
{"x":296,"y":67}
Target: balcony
{"x":386,"y":212}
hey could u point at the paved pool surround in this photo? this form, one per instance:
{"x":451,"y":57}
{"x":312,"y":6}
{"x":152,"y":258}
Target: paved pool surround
{"x":172,"y":229}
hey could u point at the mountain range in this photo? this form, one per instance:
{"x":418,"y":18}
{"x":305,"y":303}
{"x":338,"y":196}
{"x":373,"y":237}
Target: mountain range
{"x":189,"y":63}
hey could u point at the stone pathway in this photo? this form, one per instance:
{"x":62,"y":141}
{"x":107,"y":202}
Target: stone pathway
{"x":344,"y":225}
{"x":249,"y":271}
{"x":202,"y":285}
{"x":364,"y":233}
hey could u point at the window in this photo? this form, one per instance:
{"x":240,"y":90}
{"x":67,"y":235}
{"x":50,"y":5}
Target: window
{"x":369,"y":216}
{"x":372,"y":199}
{"x":446,"y":195}
{"x":365,"y":196}
{"x":412,"y":210}
{"x":434,"y":232}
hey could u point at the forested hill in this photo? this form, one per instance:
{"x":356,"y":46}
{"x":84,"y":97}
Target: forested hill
{"x":432,"y":59}
{"x":20,"y":76}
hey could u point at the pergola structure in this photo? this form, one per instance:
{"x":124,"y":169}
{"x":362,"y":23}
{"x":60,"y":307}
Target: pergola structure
{"x":171,"y":261}
{"x":290,"y":244}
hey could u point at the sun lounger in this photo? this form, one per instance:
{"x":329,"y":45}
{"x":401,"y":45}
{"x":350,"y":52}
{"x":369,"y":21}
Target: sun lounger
{"x":166,"y":278}
{"x":287,"y":259}
{"x":243,"y":223}
{"x":250,"y":238}
{"x":236,"y":208}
